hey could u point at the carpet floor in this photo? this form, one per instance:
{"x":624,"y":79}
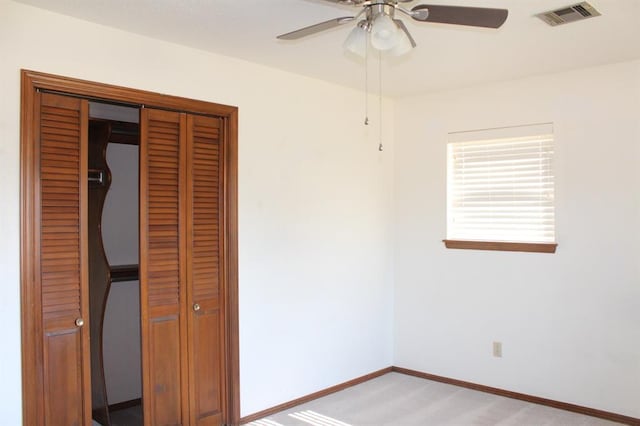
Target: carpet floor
{"x":396,"y":399}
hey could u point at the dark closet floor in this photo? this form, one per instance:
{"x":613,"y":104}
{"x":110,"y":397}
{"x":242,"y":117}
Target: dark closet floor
{"x":131,"y":416}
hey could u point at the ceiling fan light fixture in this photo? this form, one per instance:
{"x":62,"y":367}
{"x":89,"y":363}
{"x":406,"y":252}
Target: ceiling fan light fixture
{"x":385,"y":33}
{"x":356,"y":41}
{"x":403,"y":45}
{"x":388,"y":34}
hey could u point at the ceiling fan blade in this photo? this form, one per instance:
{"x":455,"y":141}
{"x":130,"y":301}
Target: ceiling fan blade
{"x":460,"y":15}
{"x":316,"y":28}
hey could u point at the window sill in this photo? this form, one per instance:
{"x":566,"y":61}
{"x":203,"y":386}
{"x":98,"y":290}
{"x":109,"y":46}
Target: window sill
{"x":501,"y":246}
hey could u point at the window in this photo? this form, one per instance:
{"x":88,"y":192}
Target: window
{"x":500,"y":189}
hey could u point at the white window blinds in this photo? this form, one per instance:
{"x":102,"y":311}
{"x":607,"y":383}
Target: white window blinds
{"x":500,"y":185}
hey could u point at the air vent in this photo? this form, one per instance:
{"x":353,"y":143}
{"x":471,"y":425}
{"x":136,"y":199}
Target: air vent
{"x":577,"y":12}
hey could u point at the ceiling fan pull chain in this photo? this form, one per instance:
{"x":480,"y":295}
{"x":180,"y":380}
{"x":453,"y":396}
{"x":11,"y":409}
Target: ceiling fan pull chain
{"x":380,"y":147}
{"x":366,"y":83}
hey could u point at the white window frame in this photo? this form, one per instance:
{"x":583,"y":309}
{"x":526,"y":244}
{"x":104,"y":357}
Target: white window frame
{"x":501,"y":189}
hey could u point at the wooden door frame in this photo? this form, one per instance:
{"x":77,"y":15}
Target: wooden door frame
{"x":32,"y":81}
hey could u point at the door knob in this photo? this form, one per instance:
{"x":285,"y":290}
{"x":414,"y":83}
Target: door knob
{"x":196,"y":307}
{"x":79,"y":322}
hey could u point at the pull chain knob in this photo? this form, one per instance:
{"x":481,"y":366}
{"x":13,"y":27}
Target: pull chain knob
{"x":79,"y":322}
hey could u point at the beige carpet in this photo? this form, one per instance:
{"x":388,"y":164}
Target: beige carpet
{"x":401,"y":400}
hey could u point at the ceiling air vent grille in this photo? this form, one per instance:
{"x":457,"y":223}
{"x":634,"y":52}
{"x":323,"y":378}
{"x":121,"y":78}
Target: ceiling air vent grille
{"x":577,"y":12}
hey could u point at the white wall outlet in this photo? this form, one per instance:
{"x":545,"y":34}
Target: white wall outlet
{"x":497,"y":349}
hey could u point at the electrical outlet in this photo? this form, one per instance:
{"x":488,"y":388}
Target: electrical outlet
{"x":497,"y":349}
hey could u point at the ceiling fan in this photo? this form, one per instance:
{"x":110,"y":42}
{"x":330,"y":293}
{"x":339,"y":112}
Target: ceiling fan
{"x":386,"y":33}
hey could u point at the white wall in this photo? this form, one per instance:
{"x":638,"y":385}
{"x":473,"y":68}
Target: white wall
{"x":569,"y":321}
{"x":314,"y":202}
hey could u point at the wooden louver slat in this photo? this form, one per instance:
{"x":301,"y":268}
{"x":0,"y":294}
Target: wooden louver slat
{"x":162,"y":266}
{"x":180,"y":267}
{"x":62,"y":128}
{"x":206,"y":347}
{"x":163,"y":221}
{"x":205,"y":174}
{"x":60,"y":136}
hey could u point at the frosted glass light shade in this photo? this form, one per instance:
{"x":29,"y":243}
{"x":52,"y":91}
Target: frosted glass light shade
{"x":356,"y":42}
{"x":384,"y":33}
{"x":403,"y":46}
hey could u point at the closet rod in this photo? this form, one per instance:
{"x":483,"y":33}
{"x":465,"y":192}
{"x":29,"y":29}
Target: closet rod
{"x":96,"y":176}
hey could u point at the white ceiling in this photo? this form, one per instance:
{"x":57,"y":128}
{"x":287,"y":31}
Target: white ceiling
{"x":446,"y":57}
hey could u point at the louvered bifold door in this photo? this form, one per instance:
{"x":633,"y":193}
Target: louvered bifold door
{"x":204,"y":224}
{"x":62,"y":135}
{"x":162,"y":275}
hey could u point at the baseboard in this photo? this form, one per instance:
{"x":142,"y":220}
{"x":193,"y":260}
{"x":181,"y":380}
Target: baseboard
{"x":524,"y":397}
{"x":273,"y":410}
{"x":125,"y":404}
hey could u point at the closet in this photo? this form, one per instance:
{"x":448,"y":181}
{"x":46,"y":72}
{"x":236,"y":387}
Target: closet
{"x":114,"y":289}
{"x":188,"y":255}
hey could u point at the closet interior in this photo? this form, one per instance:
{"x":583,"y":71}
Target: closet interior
{"x":114,"y":286}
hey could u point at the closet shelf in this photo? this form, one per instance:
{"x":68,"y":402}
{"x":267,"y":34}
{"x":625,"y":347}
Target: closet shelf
{"x":121,"y":273}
